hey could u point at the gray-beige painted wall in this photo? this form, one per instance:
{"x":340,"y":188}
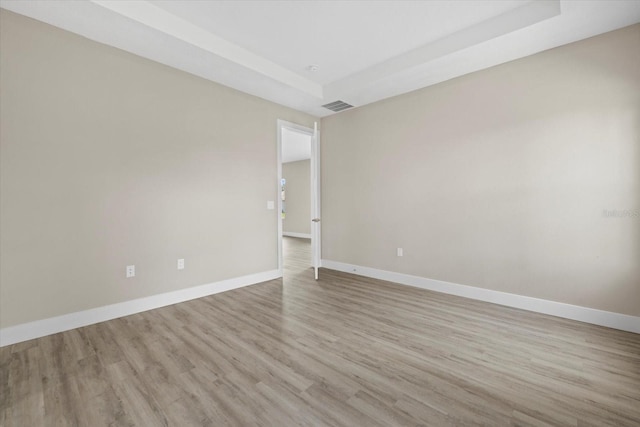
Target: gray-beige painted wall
{"x":108,"y":159}
{"x":298,"y":197}
{"x":499,"y":179}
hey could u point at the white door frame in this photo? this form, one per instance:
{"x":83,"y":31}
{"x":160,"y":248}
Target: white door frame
{"x":315,"y":173}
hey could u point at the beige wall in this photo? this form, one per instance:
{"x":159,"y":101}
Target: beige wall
{"x":298,"y":197}
{"x":499,"y":179}
{"x":108,"y":159}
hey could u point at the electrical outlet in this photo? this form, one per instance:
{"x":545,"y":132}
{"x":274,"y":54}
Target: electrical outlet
{"x":181,"y":264}
{"x":131,"y":271}
{"x":400,"y":252}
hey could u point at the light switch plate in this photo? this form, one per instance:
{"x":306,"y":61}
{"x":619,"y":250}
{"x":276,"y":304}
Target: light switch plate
{"x":271,"y":205}
{"x":181,"y":264}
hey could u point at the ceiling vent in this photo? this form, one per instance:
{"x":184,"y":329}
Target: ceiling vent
{"x":337,"y":106}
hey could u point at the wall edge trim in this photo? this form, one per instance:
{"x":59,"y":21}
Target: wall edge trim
{"x":40,"y":328}
{"x":593,"y":316}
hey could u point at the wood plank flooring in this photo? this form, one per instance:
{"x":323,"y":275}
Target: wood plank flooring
{"x":344,"y":351}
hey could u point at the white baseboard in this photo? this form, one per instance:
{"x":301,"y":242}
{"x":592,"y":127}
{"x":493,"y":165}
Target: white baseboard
{"x":299,"y":235}
{"x":574,"y":312}
{"x":53,"y":325}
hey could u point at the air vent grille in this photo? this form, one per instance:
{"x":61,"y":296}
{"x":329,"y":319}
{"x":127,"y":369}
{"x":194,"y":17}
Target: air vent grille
{"x":337,"y":106}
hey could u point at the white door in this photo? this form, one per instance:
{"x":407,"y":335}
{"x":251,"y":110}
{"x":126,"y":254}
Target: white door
{"x":315,"y":201}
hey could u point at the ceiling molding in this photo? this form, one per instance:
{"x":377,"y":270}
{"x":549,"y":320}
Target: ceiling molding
{"x":513,"y":20}
{"x":452,"y":39}
{"x":152,"y":16}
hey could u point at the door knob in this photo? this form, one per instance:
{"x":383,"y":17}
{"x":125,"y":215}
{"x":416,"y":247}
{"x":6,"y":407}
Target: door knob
{"x":316,"y":220}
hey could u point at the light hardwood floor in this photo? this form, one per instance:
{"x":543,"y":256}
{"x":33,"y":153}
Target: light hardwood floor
{"x":344,"y":351}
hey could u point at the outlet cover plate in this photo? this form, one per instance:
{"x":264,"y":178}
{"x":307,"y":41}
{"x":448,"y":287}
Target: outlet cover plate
{"x":130,"y":271}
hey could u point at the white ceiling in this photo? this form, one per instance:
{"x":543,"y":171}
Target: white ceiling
{"x":295,"y":146}
{"x":365,"y":50}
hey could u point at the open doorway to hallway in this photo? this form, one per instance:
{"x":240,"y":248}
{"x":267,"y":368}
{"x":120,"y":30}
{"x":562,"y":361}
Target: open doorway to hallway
{"x":299,"y":187}
{"x":295,"y":200}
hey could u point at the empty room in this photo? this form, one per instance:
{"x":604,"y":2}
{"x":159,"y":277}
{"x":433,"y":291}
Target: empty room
{"x":320,"y":213}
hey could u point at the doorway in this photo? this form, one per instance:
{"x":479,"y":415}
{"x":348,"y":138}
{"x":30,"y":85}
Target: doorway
{"x":298,"y":201}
